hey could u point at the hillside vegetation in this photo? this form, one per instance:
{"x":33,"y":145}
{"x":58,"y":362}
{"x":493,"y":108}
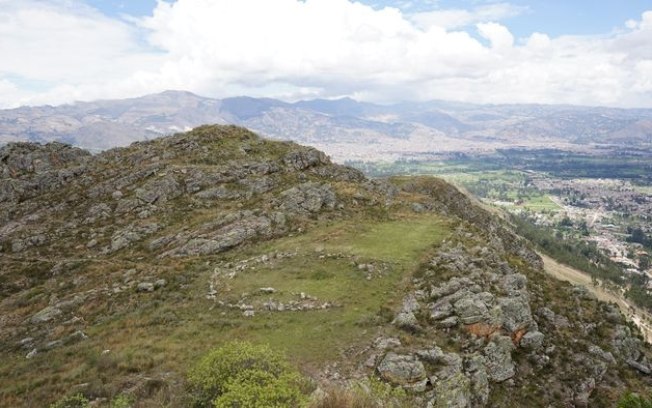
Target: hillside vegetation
{"x":122,"y":273}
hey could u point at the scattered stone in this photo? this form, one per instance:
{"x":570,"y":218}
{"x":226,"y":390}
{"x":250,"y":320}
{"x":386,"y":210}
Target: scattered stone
{"x":268,"y":291}
{"x":145,"y":287}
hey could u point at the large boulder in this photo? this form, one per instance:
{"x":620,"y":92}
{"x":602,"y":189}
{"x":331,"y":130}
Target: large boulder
{"x":470,"y":310}
{"x":401,"y":369}
{"x":516,"y":313}
{"x":453,"y":392}
{"x":308,"y":198}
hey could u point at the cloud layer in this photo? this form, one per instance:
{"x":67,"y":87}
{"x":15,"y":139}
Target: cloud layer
{"x":56,"y":52}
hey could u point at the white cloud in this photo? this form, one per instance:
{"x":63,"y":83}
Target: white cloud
{"x":292,"y":49}
{"x":458,"y":18}
{"x":498,"y":35}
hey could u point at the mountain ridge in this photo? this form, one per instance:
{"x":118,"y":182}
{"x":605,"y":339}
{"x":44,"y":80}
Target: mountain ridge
{"x":121,"y":268}
{"x":340,"y":127}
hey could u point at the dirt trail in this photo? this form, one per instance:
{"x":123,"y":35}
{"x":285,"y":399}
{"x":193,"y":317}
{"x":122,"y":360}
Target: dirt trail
{"x":563,"y":272}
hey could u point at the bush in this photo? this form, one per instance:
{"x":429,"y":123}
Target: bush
{"x":244,"y":375}
{"x":71,"y":401}
{"x":122,"y":401}
{"x":634,"y":401}
{"x":259,"y":389}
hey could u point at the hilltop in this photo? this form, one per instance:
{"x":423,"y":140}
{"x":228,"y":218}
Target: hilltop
{"x":120,"y":270}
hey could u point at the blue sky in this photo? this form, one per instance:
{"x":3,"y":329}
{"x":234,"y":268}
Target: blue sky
{"x":502,"y":51}
{"x":554,"y":17}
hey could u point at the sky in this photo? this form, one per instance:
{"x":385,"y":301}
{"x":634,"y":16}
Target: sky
{"x":578,"y":52}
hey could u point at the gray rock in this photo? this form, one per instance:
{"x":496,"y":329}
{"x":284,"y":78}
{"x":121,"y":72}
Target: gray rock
{"x":46,"y":314}
{"x":477,"y":373}
{"x":308,"y":198}
{"x":159,"y":283}
{"x":514,"y":283}
{"x":304,"y":159}
{"x":449,"y":322}
{"x":407,"y":321}
{"x":433,"y":355}
{"x":532,"y":340}
{"x":603,"y":355}
{"x":453,"y":392}
{"x":267,"y":291}
{"x":159,"y":190}
{"x":218,"y":193}
{"x":441,"y":310}
{"x":516,"y":313}
{"x":498,"y":353}
{"x":384,"y":343}
{"x":643,"y":368}
{"x":470,"y":310}
{"x":145,"y":287}
{"x":401,"y":369}
{"x":410,"y":303}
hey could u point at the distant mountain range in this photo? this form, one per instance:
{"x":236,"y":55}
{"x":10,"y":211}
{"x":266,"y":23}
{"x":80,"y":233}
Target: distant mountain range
{"x":344,"y":128}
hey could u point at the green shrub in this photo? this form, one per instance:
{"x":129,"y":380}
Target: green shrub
{"x":122,"y":401}
{"x":634,"y":401}
{"x":259,"y":389}
{"x":71,"y":401}
{"x":243,"y":375}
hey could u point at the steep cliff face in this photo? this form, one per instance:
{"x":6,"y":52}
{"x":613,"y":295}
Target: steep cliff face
{"x":118,"y":270}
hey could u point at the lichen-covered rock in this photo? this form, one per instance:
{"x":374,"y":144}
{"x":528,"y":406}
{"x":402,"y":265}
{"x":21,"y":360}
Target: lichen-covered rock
{"x":516,"y":313}
{"x":441,"y":310}
{"x":498,"y":354}
{"x":470,"y":310}
{"x":401,"y":369}
{"x":475,"y":366}
{"x":532,"y":340}
{"x":305,"y":158}
{"x":308,"y":198}
{"x":407,"y":321}
{"x":452,"y":392}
